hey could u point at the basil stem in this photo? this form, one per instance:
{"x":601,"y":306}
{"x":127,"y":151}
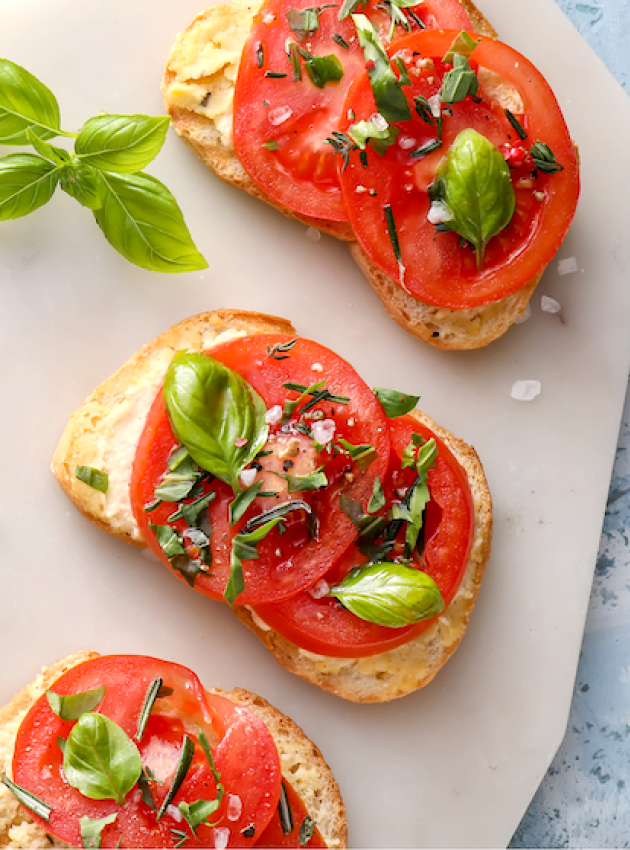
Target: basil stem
{"x":215,"y":413}
{"x":32,"y":803}
{"x":72,"y":706}
{"x":186,"y":754}
{"x":147,"y":707}
{"x":389,"y":594}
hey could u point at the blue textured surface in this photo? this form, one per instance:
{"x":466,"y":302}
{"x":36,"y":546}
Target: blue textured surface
{"x":584,"y":800}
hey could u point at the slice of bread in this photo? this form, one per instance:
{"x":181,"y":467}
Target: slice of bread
{"x":104,"y":432}
{"x":302,"y":764}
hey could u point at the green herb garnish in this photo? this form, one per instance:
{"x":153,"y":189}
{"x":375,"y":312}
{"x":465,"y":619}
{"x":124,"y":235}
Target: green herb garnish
{"x":520,"y":130}
{"x":394,"y":403}
{"x":92,"y":830}
{"x":239,"y":505}
{"x":386,"y":87}
{"x":544,"y":158}
{"x":304,"y":22}
{"x":92,"y":477}
{"x":284,"y":810}
{"x":342,"y":144}
{"x":464,"y":45}
{"x":307,"y":830}
{"x":459,"y":82}
{"x":270,"y":145}
{"x":186,"y":754}
{"x":280,"y":351}
{"x":72,"y":706}
{"x":32,"y":803}
{"x":321,"y":70}
{"x":363,"y":454}
{"x":147,"y":707}
{"x":297,"y":483}
{"x":380,"y":137}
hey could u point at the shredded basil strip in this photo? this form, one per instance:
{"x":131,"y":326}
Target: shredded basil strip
{"x":363,"y":454}
{"x":190,"y":511}
{"x":459,"y":82}
{"x":183,"y":764}
{"x":240,"y":503}
{"x":314,"y":481}
{"x":147,"y":706}
{"x":377,"y":499}
{"x":284,"y":810}
{"x":72,"y":706}
{"x":94,"y":478}
{"x":32,"y":803}
{"x":464,"y":44}
{"x":386,"y":87}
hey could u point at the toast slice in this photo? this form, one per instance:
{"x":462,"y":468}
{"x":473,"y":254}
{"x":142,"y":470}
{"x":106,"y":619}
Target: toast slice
{"x":104,"y":432}
{"x":301,"y":761}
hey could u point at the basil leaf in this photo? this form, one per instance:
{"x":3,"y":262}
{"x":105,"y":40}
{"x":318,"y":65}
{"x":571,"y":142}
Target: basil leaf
{"x":394,"y":403}
{"x":198,"y":812}
{"x":169,"y":540}
{"x":245,"y":547}
{"x":121,"y":143}
{"x":474,"y":185}
{"x":93,"y":477}
{"x":56,"y":155}
{"x":297,"y":483}
{"x":27,"y":182}
{"x":307,"y":830}
{"x":24,"y":103}
{"x":190,"y":512}
{"x":213,"y":410}
{"x":377,"y":499}
{"x":320,"y":69}
{"x":348,"y":7}
{"x":186,"y":754}
{"x":92,"y":830}
{"x":141,"y":220}
{"x":363,"y":455}
{"x":32,"y":803}
{"x":409,"y":454}
{"x":544,"y":158}
{"x":463,"y":45}
{"x":304,"y":22}
{"x":239,"y":505}
{"x":389,"y":594}
{"x":72,"y":706}
{"x":100,"y":760}
{"x":418,"y":500}
{"x":85,"y":184}
{"x":369,"y":131}
{"x":459,"y":82}
{"x":179,"y":480}
{"x":390,"y":100}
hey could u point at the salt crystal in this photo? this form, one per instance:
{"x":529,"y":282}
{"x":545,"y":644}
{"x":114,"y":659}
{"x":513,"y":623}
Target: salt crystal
{"x":324,"y":431}
{"x":313,"y":234}
{"x":379,"y":121}
{"x":438,"y":213}
{"x":221,"y":836}
{"x":319,"y":589}
{"x":175,"y":813}
{"x":435,"y":102}
{"x":317,"y":367}
{"x":549,"y":305}
{"x":527,"y":312}
{"x":280,"y":115}
{"x":567,"y":266}
{"x":526,"y":390}
{"x":234,"y":807}
{"x":269,"y":18}
{"x":406,"y":142}
{"x":247,"y":477}
{"x":273,"y":415}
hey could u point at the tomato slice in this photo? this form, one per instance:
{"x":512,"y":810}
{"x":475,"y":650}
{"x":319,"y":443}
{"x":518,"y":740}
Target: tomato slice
{"x":281,"y":124}
{"x":292,"y":557}
{"x":437,"y":269}
{"x":245,"y":756}
{"x":323,"y":626}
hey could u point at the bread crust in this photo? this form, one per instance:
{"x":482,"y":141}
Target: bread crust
{"x":380,"y":678}
{"x":302,"y":763}
{"x":413,"y":665}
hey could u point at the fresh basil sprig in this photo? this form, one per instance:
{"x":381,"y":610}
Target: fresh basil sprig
{"x":100,"y":760}
{"x":473,"y":184}
{"x":386,"y":87}
{"x":92,"y":830}
{"x":394,"y":403}
{"x":72,"y":706}
{"x":215,"y":414}
{"x":389,"y":594}
{"x":137,"y":214}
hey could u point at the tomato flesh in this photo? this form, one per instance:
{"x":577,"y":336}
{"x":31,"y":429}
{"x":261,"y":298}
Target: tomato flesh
{"x":281,"y":125}
{"x":244,"y":752}
{"x":437,"y":269}
{"x":290,"y":561}
{"x":323,"y":626}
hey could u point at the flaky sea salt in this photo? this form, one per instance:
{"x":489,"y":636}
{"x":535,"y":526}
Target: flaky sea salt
{"x":280,"y":115}
{"x":324,"y":431}
{"x":568,"y":265}
{"x":549,"y":305}
{"x":273,"y":415}
{"x":526,"y":390}
{"x":221,"y":835}
{"x":248,"y":477}
{"x":234,"y":807}
{"x":438,"y":213}
{"x":525,"y":315}
{"x":319,"y":589}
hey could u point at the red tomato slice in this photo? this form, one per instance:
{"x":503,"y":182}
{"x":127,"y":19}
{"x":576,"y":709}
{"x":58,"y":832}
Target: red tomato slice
{"x":245,"y":756}
{"x":275,"y":836}
{"x":290,"y":561}
{"x":281,"y":125}
{"x":323,"y":626}
{"x":437,"y":269}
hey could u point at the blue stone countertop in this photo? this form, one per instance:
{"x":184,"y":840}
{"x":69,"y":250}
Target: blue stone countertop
{"x":584,"y":800}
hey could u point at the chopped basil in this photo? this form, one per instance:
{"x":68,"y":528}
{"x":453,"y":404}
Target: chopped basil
{"x":377,"y":499}
{"x":171,"y":543}
{"x":270,"y":145}
{"x":314,"y":481}
{"x":186,"y":754}
{"x":94,"y":478}
{"x":459,"y":82}
{"x":403,"y":76}
{"x":380,"y":138}
{"x":389,"y":594}
{"x":169,"y":540}
{"x":145,"y":790}
{"x":320,"y":69}
{"x":394,"y":403}
{"x":72,"y":706}
{"x":304,"y":22}
{"x":197,"y":812}
{"x":464,"y":45}
{"x":348,"y":7}
{"x":544,"y":158}
{"x":92,"y":830}
{"x":182,"y":476}
{"x":473,"y":183}
{"x":284,"y":810}
{"x":215,"y":413}
{"x":386,"y":87}
{"x":239,"y":505}
{"x":520,"y":130}
{"x":244,"y":547}
{"x":423,"y":109}
{"x":191,"y":510}
{"x":409,"y":454}
{"x":147,"y":706}
{"x":307,"y":830}
{"x":32,"y":803}
{"x":418,"y":494}
{"x":363,"y":454}
{"x":100,"y":760}
{"x":280,"y":351}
